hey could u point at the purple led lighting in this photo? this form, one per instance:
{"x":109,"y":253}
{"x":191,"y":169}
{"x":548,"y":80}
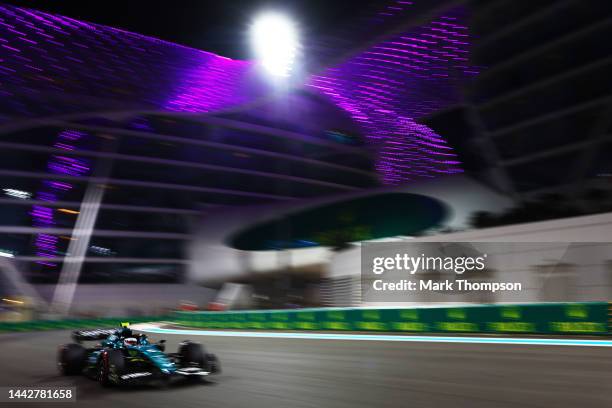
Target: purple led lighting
{"x":389,"y":86}
{"x":211,"y":84}
{"x":82,"y":67}
{"x":54,"y":190}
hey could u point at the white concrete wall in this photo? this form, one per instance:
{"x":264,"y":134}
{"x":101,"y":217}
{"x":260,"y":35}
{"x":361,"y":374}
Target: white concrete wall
{"x":590,"y":276}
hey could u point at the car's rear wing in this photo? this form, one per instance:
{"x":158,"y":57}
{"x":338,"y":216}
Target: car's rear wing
{"x":92,"y":335}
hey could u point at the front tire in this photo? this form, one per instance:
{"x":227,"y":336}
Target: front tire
{"x":192,"y":354}
{"x":212,"y":364}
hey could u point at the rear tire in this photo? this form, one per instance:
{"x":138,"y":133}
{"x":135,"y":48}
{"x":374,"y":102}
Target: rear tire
{"x":71,"y":359}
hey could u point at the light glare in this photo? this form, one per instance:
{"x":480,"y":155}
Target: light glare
{"x":11,"y":192}
{"x":6,"y":254}
{"x":275,"y":42}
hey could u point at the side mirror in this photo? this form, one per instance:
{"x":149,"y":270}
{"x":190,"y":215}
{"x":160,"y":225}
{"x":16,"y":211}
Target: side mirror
{"x":161,"y":345}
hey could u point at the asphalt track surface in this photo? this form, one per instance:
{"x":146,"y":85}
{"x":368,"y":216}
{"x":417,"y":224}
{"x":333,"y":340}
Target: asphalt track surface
{"x":288,"y":372}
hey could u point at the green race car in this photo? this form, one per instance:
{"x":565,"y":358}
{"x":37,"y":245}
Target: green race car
{"x":125,"y":357}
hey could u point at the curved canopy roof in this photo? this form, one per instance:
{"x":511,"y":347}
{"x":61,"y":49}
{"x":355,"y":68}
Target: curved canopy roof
{"x":358,"y":219}
{"x":54,"y":65}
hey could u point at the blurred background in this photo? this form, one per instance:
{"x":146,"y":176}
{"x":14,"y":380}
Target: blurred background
{"x":155,"y":158}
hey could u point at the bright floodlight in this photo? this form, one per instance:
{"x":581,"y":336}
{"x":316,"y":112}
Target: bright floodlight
{"x":275,"y":42}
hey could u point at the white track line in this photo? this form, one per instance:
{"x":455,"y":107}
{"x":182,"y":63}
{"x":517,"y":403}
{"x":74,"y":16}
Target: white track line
{"x":153,"y":328}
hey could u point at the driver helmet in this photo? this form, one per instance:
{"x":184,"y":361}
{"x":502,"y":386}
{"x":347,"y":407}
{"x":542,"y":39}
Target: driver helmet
{"x":130,"y":341}
{"x":126,"y":332}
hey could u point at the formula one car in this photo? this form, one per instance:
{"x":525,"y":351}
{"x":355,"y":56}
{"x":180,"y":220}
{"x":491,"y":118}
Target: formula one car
{"x":125,"y":357}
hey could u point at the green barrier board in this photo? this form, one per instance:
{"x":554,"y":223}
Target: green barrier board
{"x":559,"y":318}
{"x":74,"y":323}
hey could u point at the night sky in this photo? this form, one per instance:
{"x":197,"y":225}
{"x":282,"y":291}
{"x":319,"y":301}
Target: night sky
{"x":219,"y":26}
